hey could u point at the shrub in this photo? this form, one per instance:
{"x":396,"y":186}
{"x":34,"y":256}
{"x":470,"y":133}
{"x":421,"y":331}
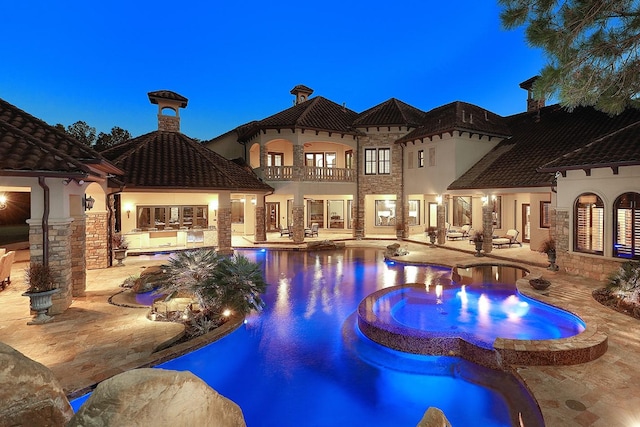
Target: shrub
{"x":118,"y":241}
{"x":626,"y":280}
{"x":39,"y":277}
{"x":217,"y":283}
{"x":548,"y":245}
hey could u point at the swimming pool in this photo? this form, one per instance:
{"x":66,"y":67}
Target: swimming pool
{"x":479,"y":312}
{"x":303,"y":361}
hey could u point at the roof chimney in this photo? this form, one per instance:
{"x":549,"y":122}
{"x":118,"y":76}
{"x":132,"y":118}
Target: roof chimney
{"x":172,"y":101}
{"x":532,"y":103}
{"x":302,"y":93}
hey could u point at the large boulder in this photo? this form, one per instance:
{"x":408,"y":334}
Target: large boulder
{"x":434,"y":417}
{"x":30,"y":395}
{"x":147,"y":397}
{"x":150,"y":279}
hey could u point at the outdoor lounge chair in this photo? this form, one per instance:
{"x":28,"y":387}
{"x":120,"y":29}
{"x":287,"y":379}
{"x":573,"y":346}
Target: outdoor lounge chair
{"x":462,"y":233}
{"x":313,"y":231}
{"x":6,"y":262}
{"x":511,"y":238}
{"x":284,"y":231}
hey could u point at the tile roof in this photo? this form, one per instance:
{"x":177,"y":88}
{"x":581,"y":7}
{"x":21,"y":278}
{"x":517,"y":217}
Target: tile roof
{"x":167,"y":94}
{"x":538,"y":139}
{"x":389,"y":113}
{"x":317,"y":113}
{"x":29,"y":146}
{"x":301,"y":88}
{"x":458,"y":116}
{"x":172,"y":160}
{"x":619,"y":148}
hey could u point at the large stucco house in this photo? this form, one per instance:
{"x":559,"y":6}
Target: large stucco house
{"x":396,"y":169}
{"x":392,"y":169}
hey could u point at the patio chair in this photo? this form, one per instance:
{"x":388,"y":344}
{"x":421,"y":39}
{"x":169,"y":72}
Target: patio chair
{"x":6,"y":262}
{"x":284,"y":231}
{"x":511,"y":238}
{"x":462,"y":233}
{"x":313,"y":231}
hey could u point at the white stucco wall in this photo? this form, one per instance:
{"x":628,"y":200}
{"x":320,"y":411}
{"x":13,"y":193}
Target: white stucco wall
{"x":605,"y":184}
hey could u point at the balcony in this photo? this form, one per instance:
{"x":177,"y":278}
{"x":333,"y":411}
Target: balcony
{"x":308,"y":173}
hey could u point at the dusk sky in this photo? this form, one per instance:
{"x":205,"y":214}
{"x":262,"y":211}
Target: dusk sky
{"x":236,"y":61}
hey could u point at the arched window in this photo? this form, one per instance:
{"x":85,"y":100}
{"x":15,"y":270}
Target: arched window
{"x":626,"y":213}
{"x":589,"y":224}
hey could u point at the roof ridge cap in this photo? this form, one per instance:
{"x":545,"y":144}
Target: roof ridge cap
{"x":304,"y":114}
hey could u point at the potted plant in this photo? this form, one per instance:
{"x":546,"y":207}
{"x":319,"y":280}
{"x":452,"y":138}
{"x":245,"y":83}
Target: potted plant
{"x":548,"y":247}
{"x":39,"y":278}
{"x":119,"y":245}
{"x":432,"y":233}
{"x":477,"y":237}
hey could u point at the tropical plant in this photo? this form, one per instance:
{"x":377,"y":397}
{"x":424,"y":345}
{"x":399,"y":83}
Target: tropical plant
{"x":548,"y":246}
{"x":625,"y":280}
{"x":240,"y":285}
{"x":39,"y":278}
{"x":217,"y":283}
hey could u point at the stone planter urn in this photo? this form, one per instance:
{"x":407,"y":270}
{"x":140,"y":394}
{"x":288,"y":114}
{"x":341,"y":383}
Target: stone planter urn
{"x":478,"y":244}
{"x":40,"y":302}
{"x":551,"y":257}
{"x":119,"y":255}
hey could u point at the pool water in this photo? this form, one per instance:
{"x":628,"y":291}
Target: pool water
{"x":480,"y":312}
{"x":303,"y":362}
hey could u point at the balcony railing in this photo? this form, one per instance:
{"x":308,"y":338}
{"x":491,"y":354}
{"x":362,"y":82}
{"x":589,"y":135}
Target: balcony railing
{"x":309,"y":173}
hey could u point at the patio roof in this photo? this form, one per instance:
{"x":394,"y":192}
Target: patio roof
{"x":31,"y":147}
{"x":171,"y":160}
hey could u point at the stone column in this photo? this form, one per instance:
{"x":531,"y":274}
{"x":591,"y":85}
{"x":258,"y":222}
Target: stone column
{"x":78,"y":256}
{"x":298,"y":162}
{"x":97,"y":250}
{"x":224,"y":224}
{"x":60,"y":258}
{"x":261,"y":224}
{"x":441,"y":224}
{"x":559,"y":231}
{"x":298,"y":223}
{"x":487,"y":228}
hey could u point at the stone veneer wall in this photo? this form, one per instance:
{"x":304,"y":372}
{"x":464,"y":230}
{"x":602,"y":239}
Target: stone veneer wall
{"x":168,"y":123}
{"x":97,"y":251}
{"x":261,"y":229}
{"x":297,"y":213}
{"x":224,"y":231}
{"x":78,"y":260}
{"x":487,"y":229}
{"x":380,"y":184}
{"x":60,"y":233}
{"x":588,"y":265}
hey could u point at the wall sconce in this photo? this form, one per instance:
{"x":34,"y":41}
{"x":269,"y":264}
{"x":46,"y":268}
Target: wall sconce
{"x":485,"y":200}
{"x":128,"y":207}
{"x":439,"y":199}
{"x":254,"y":201}
{"x":3,"y":202}
{"x":88,"y":202}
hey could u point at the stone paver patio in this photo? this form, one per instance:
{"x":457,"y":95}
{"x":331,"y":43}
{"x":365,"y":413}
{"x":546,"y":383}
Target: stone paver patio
{"x":95,"y":340}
